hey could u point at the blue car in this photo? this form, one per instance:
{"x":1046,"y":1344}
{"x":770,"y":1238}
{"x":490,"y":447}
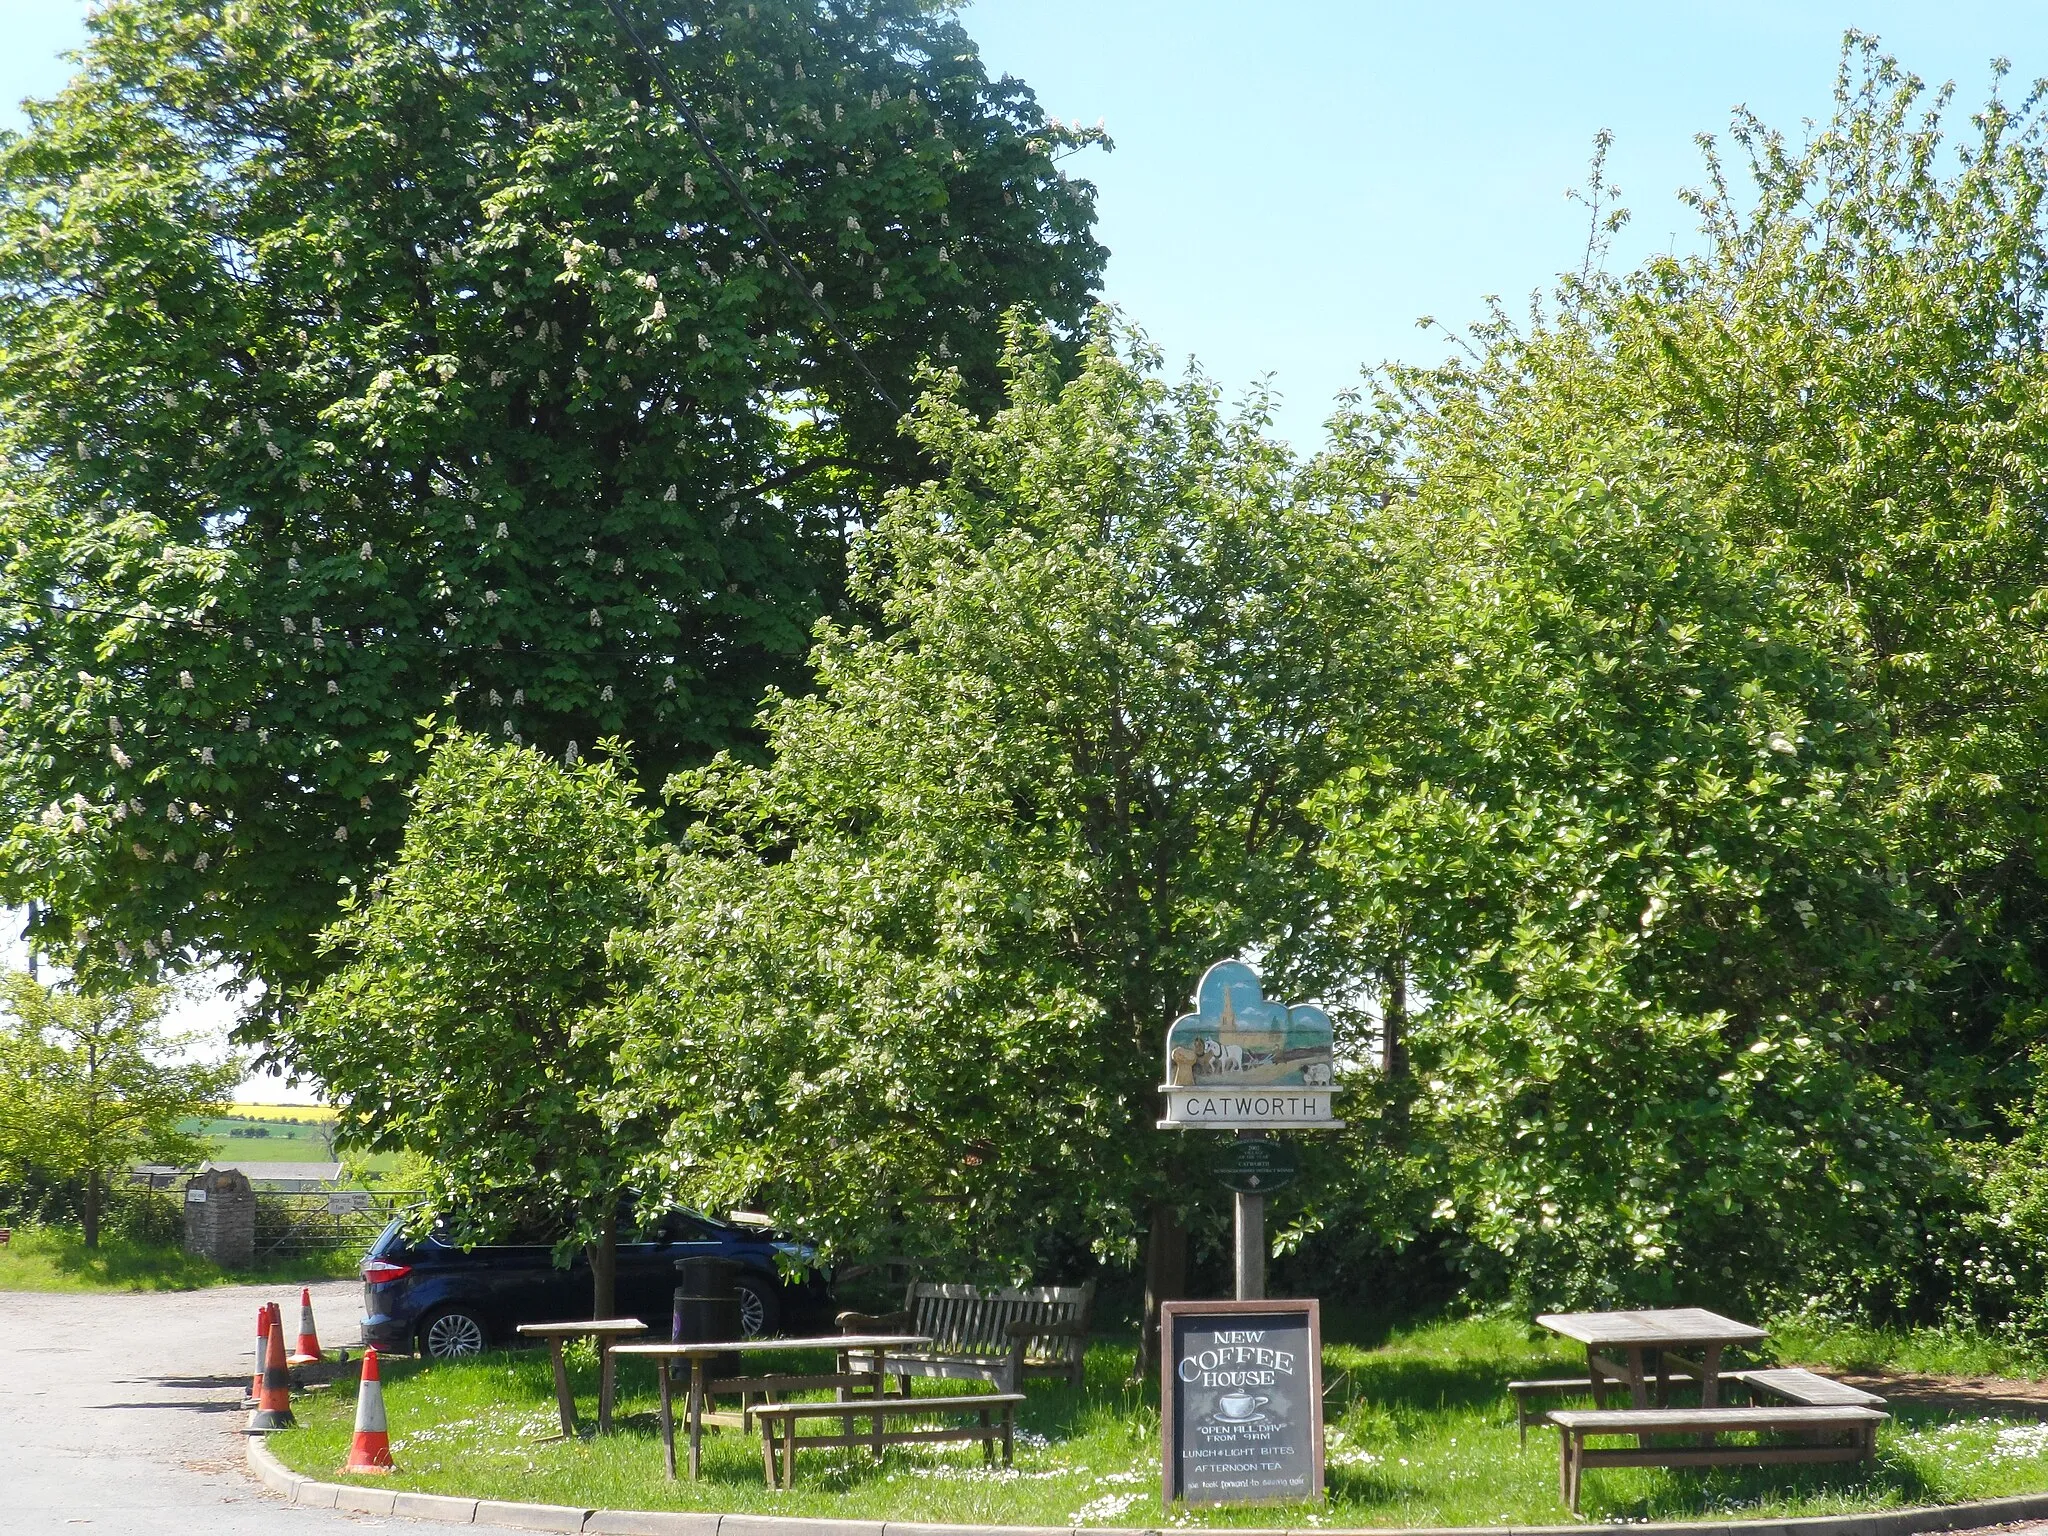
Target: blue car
{"x":431,"y":1296}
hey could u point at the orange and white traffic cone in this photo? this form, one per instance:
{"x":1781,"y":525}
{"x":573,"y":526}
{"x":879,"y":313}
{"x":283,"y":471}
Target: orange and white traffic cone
{"x":308,"y":1350}
{"x":262,"y":1342}
{"x":371,"y":1449}
{"x":274,"y":1404}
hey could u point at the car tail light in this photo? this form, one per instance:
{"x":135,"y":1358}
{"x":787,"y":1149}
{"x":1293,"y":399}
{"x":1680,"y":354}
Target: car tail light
{"x":383,"y":1271}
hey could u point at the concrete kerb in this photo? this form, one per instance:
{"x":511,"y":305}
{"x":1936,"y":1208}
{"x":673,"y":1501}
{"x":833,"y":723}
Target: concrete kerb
{"x":273,"y":1474}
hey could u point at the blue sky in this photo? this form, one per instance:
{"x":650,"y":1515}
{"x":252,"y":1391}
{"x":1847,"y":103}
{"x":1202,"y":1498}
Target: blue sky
{"x":1296,"y":181}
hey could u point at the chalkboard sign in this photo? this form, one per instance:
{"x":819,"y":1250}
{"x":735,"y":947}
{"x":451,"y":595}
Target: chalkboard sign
{"x":1241,"y":1401}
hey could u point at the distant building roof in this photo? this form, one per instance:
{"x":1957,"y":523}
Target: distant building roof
{"x":287,"y":1176}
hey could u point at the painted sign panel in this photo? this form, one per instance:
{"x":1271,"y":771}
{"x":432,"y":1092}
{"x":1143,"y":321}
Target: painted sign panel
{"x":1242,"y":1060}
{"x":1235,"y":1038}
{"x":1241,"y":1402}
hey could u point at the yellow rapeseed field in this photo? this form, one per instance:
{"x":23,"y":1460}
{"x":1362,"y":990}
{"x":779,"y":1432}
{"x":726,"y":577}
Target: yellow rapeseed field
{"x":311,"y":1114}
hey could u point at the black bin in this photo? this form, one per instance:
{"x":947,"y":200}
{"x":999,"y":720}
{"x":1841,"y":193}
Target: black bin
{"x":707,"y":1309}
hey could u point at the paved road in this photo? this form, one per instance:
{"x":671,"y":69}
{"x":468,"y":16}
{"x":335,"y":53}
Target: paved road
{"x":122,"y":1413}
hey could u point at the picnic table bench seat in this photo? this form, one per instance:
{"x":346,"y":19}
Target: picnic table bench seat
{"x":1808,"y":1388}
{"x":996,"y":1336}
{"x":1575,"y":1426}
{"x":995,"y":1418}
{"x":1578,"y":1386}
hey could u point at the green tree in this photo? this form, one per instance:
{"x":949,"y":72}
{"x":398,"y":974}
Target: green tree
{"x":1733,"y":626}
{"x":87,"y":1089}
{"x":1637,"y":869}
{"x":468,"y":1021}
{"x":364,"y":362}
{"x":913,"y":975}
{"x":1848,"y":373}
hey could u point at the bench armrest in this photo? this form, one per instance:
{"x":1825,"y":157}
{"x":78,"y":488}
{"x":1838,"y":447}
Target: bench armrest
{"x":874,"y":1322}
{"x":1047,"y":1330}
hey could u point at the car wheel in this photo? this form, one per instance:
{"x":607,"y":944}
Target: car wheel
{"x":452,"y":1335}
{"x":760,"y":1309}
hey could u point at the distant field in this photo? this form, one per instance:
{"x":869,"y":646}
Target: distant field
{"x":312,"y":1114}
{"x":277,"y":1133}
{"x":262,"y":1139}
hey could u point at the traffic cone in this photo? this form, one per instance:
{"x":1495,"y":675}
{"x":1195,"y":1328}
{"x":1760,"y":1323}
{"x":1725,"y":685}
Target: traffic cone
{"x":308,"y":1351}
{"x":262,"y":1341}
{"x":371,"y":1449}
{"x":274,"y":1405}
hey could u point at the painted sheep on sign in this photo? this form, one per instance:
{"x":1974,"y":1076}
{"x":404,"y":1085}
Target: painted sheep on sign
{"x":1237,"y":1038}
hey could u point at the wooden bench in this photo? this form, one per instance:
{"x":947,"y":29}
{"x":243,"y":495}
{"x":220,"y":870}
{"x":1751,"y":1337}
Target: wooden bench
{"x":1809,"y":1389}
{"x":1575,"y":1426}
{"x":1000,"y":1337}
{"x":1570,"y":1386}
{"x":996,"y":1415}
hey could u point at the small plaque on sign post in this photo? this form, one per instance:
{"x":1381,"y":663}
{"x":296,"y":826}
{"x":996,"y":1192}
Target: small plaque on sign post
{"x":1241,"y":1402}
{"x":1257,"y":1167}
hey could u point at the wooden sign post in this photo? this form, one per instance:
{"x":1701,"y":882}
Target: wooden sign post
{"x":1242,"y":1063}
{"x":1241,"y":1402}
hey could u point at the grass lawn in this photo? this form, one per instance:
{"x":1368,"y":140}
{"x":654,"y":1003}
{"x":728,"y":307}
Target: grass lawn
{"x":47,"y":1259}
{"x":1421,"y":1432}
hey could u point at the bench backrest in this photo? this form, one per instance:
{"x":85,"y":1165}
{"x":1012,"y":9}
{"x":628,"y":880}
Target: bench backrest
{"x":968,"y":1320}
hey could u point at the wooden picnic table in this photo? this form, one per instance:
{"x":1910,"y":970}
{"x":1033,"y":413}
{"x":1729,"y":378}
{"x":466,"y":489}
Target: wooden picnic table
{"x":1651,"y":1343}
{"x":848,"y":1377}
{"x":604,"y":1330}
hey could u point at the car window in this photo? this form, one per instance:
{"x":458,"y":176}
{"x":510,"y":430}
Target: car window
{"x":524,"y":1232}
{"x":683,"y":1227}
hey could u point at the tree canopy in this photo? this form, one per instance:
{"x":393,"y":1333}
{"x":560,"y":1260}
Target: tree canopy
{"x":468,"y":1021}
{"x":360,"y":363}
{"x":911,"y":975}
{"x":1727,"y":846}
{"x":1668,"y":668}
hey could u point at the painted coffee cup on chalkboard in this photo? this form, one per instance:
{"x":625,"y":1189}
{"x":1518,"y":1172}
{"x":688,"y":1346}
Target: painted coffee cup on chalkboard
{"x":1239,"y":1405}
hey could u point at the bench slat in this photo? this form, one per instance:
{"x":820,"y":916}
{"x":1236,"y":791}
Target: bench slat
{"x":1808,"y":1387}
{"x":1650,"y":1421}
{"x":1719,"y":1455}
{"x":889,"y":1405}
{"x":860,"y":1442}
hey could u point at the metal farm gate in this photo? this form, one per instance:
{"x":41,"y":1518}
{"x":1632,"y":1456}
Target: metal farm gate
{"x":321,"y":1221}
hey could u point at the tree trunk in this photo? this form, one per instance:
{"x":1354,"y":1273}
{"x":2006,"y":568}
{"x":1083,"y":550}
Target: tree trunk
{"x":1394,"y":1018}
{"x":604,"y":1263}
{"x":1394,"y":1046}
{"x":1166,"y":1279}
{"x":92,"y":1209}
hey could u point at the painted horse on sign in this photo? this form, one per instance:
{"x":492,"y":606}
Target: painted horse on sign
{"x":1242,"y":1060}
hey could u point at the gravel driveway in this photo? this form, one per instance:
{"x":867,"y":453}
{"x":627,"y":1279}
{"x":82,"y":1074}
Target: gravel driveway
{"x":123,"y":1412}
